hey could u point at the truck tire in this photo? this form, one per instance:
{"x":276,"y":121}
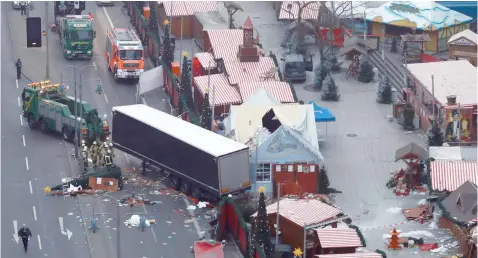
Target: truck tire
{"x":44,"y":126}
{"x":185,"y":187}
{"x":31,"y":122}
{"x":67,"y":134}
{"x":197,"y":193}
{"x":173,"y":182}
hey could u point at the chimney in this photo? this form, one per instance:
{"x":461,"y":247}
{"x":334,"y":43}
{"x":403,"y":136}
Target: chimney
{"x":248,"y":52}
{"x":451,"y":100}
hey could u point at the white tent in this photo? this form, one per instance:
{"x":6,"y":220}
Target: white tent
{"x":148,"y":81}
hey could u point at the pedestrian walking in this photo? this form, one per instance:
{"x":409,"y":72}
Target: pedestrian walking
{"x":18,"y":64}
{"x":25,"y":234}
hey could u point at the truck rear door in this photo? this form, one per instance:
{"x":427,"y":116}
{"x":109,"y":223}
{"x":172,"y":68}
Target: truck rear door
{"x":234,"y":171}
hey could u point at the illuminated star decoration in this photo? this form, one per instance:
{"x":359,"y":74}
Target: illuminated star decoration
{"x":262,"y":189}
{"x":185,"y":53}
{"x":297,"y":252}
{"x":47,"y":189}
{"x":166,"y":22}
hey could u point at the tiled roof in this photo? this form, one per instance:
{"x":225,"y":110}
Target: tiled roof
{"x":338,"y":237}
{"x":224,"y":94}
{"x":449,"y":175}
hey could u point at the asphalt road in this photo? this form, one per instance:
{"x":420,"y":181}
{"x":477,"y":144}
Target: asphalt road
{"x":36,"y":160}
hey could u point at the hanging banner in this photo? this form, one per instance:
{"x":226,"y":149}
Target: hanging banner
{"x":458,"y":125}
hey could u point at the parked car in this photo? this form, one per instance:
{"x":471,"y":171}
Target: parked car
{"x":294,"y":68}
{"x":16,"y":4}
{"x":103,"y":3}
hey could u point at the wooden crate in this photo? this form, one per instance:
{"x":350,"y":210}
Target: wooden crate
{"x":103,"y":183}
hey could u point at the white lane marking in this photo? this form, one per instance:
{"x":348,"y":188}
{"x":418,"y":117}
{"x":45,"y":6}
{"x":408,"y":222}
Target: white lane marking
{"x":19,"y":103}
{"x":16,"y":83}
{"x":23,"y":138}
{"x":108,"y":17}
{"x":21,"y":120}
{"x":26,"y":163}
{"x":94,"y":64}
{"x":106,"y":98}
{"x":34,"y":213}
{"x":39,"y":242}
{"x":195,"y":221}
{"x":30,"y":185}
{"x":152,"y":231}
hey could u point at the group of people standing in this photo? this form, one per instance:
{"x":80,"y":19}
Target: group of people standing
{"x":100,"y":154}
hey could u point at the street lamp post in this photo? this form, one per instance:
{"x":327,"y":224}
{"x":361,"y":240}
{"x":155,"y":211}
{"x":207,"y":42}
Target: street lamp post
{"x":47,"y":66}
{"x":80,"y":83}
{"x":118,"y":219}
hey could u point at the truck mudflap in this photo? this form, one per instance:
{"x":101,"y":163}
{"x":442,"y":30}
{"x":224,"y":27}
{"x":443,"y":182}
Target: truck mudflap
{"x":237,"y":190}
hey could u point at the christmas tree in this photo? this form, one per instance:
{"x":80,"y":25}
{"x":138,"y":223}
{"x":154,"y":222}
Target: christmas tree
{"x":320,"y":74}
{"x":186,"y":88}
{"x":384,"y":92}
{"x":332,"y":60}
{"x":261,"y":235}
{"x":366,"y":73}
{"x":167,"y":49}
{"x":331,"y":91}
{"x":206,"y":113}
{"x":394,"y":46}
{"x":408,"y":116}
{"x":394,"y":244}
{"x":435,"y":135}
{"x":324,"y":182}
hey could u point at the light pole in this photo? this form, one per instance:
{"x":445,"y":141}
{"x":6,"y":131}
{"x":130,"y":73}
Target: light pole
{"x":80,"y":83}
{"x":118,"y":219}
{"x":47,"y":66}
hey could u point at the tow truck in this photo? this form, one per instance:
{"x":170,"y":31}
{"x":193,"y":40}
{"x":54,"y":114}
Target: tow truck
{"x":47,"y":107}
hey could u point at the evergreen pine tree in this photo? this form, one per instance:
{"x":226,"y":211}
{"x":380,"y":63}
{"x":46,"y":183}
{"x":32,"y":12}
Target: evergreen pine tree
{"x":366,"y":73}
{"x":333,"y":61}
{"x":186,"y":89}
{"x":206,"y":113}
{"x":435,"y":135}
{"x":331,"y":91}
{"x":394,"y":46}
{"x":324,"y":182}
{"x":167,"y":47}
{"x":384,"y":92}
{"x":261,"y":235}
{"x":320,"y":74}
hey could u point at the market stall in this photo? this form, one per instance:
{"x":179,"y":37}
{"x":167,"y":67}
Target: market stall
{"x":322,"y":115}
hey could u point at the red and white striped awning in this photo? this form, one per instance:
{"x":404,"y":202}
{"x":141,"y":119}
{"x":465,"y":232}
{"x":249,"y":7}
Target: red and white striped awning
{"x":279,"y":90}
{"x":353,"y":255}
{"x":251,"y":71}
{"x":449,"y":175}
{"x":299,"y":211}
{"x":310,"y":12}
{"x":188,"y":8}
{"x":224,"y":94}
{"x":206,"y":59}
{"x":338,"y":237}
{"x":225,"y":43}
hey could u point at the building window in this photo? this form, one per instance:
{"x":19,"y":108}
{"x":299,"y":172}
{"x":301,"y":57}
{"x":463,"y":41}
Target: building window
{"x":263,"y":173}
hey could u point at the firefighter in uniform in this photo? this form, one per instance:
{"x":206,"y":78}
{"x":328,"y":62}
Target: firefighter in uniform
{"x":112,"y":152}
{"x":94,"y":153}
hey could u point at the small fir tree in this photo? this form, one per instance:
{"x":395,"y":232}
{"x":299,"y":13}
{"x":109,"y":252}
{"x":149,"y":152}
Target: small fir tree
{"x":320,"y":74}
{"x":186,"y":88}
{"x":331,"y":91}
{"x":384,"y":92}
{"x":366,"y":73}
{"x":261,"y":235}
{"x":324,"y":182}
{"x":206,"y":113}
{"x":167,"y":49}
{"x":333,"y":61}
{"x":435,"y":135}
{"x":408,"y":115}
{"x":394,"y":46}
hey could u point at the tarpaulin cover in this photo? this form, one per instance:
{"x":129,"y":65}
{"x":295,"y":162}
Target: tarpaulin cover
{"x":208,"y":249}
